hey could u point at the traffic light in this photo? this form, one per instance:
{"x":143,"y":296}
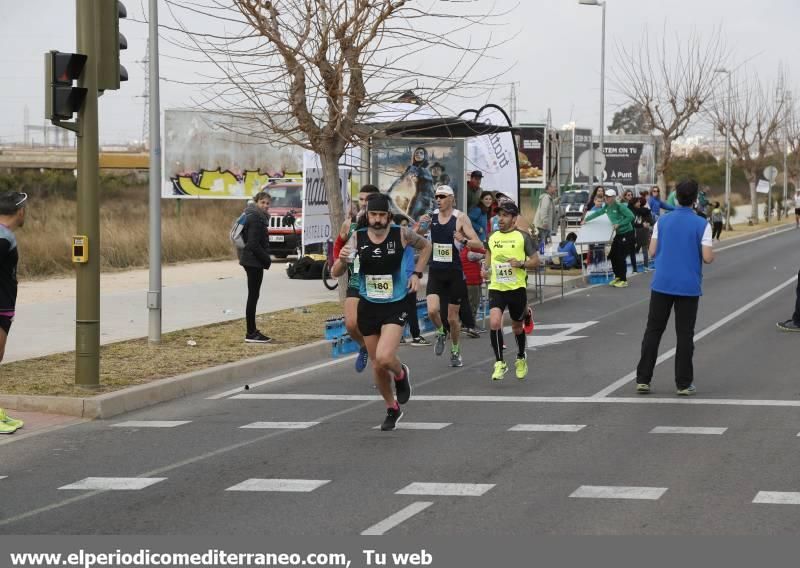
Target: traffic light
{"x":62,"y":100}
{"x":110,"y":42}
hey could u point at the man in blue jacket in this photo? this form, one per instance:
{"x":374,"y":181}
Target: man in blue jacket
{"x":682,"y":243}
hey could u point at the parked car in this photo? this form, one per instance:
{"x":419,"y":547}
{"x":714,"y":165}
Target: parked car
{"x":572,"y":205}
{"x":285,"y":217}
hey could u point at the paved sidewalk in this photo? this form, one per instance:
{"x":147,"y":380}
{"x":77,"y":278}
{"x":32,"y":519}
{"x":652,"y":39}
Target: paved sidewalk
{"x":193,"y":294}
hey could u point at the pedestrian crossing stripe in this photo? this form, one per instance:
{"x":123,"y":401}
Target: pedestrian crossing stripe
{"x":777,"y":498}
{"x":279,"y":425}
{"x":618,"y":492}
{"x":446,"y":489}
{"x":547,"y":428}
{"x":150,"y":424}
{"x":419,"y":426}
{"x":687,"y":430}
{"x":280,"y":485}
{"x":113,"y":483}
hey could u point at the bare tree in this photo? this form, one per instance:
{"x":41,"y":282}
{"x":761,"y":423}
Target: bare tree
{"x":754,"y":121}
{"x":670,"y":81}
{"x":310,"y":72}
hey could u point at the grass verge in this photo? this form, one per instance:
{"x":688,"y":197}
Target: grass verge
{"x":134,"y":362}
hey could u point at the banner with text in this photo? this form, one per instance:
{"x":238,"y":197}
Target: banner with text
{"x":495,"y":155}
{"x":316,"y":216}
{"x":629,"y":163}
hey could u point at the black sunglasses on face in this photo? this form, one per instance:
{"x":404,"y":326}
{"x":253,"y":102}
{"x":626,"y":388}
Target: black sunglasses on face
{"x":442,"y":196}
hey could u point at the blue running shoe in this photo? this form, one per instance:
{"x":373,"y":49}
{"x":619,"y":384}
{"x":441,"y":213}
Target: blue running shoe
{"x":361,"y":359}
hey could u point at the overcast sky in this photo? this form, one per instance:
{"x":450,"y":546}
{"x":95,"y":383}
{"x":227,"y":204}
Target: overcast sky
{"x":556,"y":51}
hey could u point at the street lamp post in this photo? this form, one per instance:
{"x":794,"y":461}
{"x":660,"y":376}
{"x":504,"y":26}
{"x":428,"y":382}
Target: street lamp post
{"x":602,"y":66}
{"x":727,"y":152}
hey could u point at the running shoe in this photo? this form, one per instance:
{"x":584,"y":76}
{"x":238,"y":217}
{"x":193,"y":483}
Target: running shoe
{"x":642,"y":388}
{"x":527,"y":321}
{"x":620,"y":284}
{"x":473,"y":333}
{"x":361,"y":359}
{"x":440,"y":340}
{"x":256,"y":337}
{"x":613,"y":282}
{"x":8,"y":421}
{"x":688,"y":391}
{"x":521,"y":367}
{"x":393,"y":416}
{"x":788,"y":325}
{"x":419,"y":342}
{"x":402,"y":388}
{"x":500,"y":370}
{"x":455,"y":358}
{"x":7,"y":428}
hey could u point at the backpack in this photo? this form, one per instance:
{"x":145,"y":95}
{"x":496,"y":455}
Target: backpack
{"x":237,"y":231}
{"x":307,"y":267}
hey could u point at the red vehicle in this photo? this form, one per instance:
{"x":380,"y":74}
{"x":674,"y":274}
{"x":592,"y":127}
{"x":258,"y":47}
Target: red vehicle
{"x":285,"y":217}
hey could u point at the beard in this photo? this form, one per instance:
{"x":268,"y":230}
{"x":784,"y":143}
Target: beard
{"x":378,"y":226}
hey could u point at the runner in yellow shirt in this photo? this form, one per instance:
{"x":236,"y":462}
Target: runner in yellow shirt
{"x":510,"y":253}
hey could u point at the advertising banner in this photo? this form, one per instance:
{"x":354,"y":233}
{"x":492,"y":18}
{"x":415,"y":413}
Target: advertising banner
{"x":530,"y":149}
{"x":316,"y":216}
{"x":409,"y":171}
{"x":207,"y":156}
{"x":495,"y":155}
{"x":629,"y":163}
{"x":582,"y":155}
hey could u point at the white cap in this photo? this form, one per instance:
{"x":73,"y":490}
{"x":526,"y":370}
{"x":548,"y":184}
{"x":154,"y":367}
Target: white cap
{"x":444,"y":190}
{"x":611,"y":192}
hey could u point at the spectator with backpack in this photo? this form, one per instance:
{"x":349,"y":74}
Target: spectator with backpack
{"x":255,"y":259}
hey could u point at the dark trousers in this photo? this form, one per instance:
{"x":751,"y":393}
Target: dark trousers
{"x":642,"y":242}
{"x":620,"y":247}
{"x":796,"y":315}
{"x":716,"y":229}
{"x":661,"y":305}
{"x":411,"y":308}
{"x":632,"y":251}
{"x":255,"y":276}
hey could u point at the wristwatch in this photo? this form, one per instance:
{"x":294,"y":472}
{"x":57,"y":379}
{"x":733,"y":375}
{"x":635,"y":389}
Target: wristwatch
{"x":417,"y":274}
{"x":464,"y":242}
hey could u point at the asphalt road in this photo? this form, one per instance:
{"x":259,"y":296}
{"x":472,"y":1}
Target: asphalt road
{"x":572,"y":450}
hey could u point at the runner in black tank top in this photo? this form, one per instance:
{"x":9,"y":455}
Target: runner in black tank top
{"x":449,"y":230}
{"x":381,"y":309}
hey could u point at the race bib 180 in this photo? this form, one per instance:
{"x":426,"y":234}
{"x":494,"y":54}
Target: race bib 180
{"x":379,"y":286}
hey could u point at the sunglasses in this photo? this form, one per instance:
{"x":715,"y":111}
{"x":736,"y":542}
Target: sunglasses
{"x":441,"y":196}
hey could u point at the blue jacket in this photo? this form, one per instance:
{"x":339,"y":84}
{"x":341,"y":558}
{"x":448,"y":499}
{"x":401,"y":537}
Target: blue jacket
{"x":656,"y":205}
{"x":572,"y":253}
{"x":679,"y":254}
{"x":479,"y":220}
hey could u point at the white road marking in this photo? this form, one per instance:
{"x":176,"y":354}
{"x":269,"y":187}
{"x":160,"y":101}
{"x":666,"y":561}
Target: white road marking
{"x":710,"y":329}
{"x":3,"y":476}
{"x":777,"y":498}
{"x":279,"y":425}
{"x":533,"y":399}
{"x":419,"y":425}
{"x":446,"y":489}
{"x":302,"y":371}
{"x":687,"y":430}
{"x":399,"y":517}
{"x":280,"y":485}
{"x":150,"y":423}
{"x":547,"y":428}
{"x":754,"y":239}
{"x":113,"y":483}
{"x":618,"y":492}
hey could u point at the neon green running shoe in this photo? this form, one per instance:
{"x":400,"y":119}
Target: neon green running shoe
{"x":521,"y":367}
{"x":7,"y":428}
{"x":500,"y":370}
{"x":8,"y":421}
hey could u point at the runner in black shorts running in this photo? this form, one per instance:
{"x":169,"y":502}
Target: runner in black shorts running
{"x":383,"y":287}
{"x":449,"y":229}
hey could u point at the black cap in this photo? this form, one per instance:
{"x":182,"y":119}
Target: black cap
{"x":508,"y":207}
{"x":378,"y":202}
{"x":476,"y":174}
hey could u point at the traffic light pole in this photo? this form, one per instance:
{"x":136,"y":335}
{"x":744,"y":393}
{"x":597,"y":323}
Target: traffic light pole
{"x":154,"y":292}
{"x":87,"y":320}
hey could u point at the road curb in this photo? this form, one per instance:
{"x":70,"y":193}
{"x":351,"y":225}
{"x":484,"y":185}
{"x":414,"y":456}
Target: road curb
{"x":132,"y":398}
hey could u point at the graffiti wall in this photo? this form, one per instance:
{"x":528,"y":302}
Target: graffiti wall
{"x":208,"y":156}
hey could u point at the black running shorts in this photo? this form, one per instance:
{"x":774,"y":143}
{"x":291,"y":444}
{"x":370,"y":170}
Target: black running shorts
{"x":515,"y":300}
{"x":372,"y":315}
{"x":447,"y":283}
{"x":5,"y":323}
{"x":352,"y":293}
{"x":797,"y":210}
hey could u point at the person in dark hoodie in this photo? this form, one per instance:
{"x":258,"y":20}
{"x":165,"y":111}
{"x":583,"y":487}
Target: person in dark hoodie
{"x":255,"y":259}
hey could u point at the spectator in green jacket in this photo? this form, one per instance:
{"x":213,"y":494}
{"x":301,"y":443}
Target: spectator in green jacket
{"x":624,"y":236}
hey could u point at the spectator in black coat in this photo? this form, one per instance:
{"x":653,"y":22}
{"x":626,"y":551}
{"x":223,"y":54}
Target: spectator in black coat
{"x":255,"y":259}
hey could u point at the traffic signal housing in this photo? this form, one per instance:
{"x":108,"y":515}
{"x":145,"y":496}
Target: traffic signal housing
{"x":62,"y":99}
{"x":110,"y":42}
